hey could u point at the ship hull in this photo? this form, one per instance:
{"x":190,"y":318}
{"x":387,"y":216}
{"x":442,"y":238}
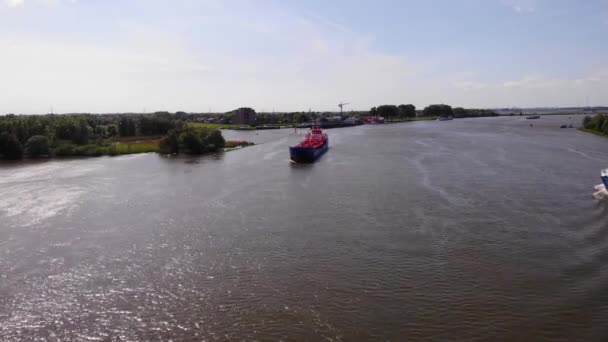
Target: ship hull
{"x":307,"y":154}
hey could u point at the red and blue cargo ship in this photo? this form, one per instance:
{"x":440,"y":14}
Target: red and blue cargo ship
{"x":312,"y":147}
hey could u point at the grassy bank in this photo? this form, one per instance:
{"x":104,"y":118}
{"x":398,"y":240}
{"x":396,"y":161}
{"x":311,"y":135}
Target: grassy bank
{"x":115,"y":149}
{"x":131,"y":145}
{"x":236,"y":143}
{"x":232,"y":145}
{"x":593,"y":132}
{"x":123,"y":148}
{"x":86,"y":135}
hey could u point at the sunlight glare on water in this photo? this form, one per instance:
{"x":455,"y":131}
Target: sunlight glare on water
{"x":473,"y":229}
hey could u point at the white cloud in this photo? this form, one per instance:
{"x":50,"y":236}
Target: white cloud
{"x":13,"y":3}
{"x":306,"y":65}
{"x":531,"y":82}
{"x":86,"y":77}
{"x":521,"y":6}
{"x":151,"y":69}
{"x":469,"y":85}
{"x":329,"y":23}
{"x":520,"y":9}
{"x":255,"y":59}
{"x":19,"y":3}
{"x":532,"y":91}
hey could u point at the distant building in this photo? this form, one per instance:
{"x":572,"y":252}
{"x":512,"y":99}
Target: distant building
{"x":245,"y":116}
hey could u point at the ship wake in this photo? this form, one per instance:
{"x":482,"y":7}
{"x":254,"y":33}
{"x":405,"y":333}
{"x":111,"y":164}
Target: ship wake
{"x":601,"y":192}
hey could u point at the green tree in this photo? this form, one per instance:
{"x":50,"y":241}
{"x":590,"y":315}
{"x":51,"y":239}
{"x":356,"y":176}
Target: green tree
{"x":81,"y":133}
{"x":407,"y":111}
{"x":180,"y":115}
{"x":3,"y":140}
{"x":112,"y":130}
{"x":215,"y":140}
{"x":37,"y":146}
{"x":373,"y":111}
{"x":155,"y":124}
{"x":604,"y":128}
{"x":169,"y":144}
{"x":596,"y":122}
{"x":441,"y":110}
{"x":126,"y":127}
{"x":587,"y":122}
{"x":192,"y":142}
{"x":302,"y":118}
{"x":460,"y":112}
{"x":388,"y":111}
{"x":10,"y":146}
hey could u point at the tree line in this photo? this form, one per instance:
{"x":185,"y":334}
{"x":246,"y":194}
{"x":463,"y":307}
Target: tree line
{"x":408,"y":111}
{"x":192,"y":140}
{"x":598,"y":123}
{"x":390,"y":112}
{"x":394,"y":112}
{"x":87,"y":134}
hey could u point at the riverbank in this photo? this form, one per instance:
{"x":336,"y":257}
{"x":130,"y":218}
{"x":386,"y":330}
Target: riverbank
{"x":597,"y":125}
{"x":587,"y":130}
{"x":106,"y":149}
{"x":87,"y":135}
{"x":131,"y":145}
{"x":221,"y":126}
{"x":418,"y":118}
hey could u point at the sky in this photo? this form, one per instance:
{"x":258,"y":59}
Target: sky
{"x":103,"y":56}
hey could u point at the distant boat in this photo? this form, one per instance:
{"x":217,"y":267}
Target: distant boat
{"x":373,"y":120}
{"x":602,"y":189}
{"x":312,"y":147}
{"x":445,"y":118}
{"x":533,"y":117}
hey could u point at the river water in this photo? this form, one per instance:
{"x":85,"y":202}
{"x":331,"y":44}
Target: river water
{"x":465,"y":230}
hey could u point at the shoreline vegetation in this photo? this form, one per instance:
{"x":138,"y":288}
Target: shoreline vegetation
{"x":597,"y":125}
{"x":592,"y":132}
{"x":89,"y":135}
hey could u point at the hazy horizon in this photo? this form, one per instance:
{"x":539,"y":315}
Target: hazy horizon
{"x":548,"y":110}
{"x":199,"y":56}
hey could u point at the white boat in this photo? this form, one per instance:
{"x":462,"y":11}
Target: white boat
{"x":602,"y":189}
